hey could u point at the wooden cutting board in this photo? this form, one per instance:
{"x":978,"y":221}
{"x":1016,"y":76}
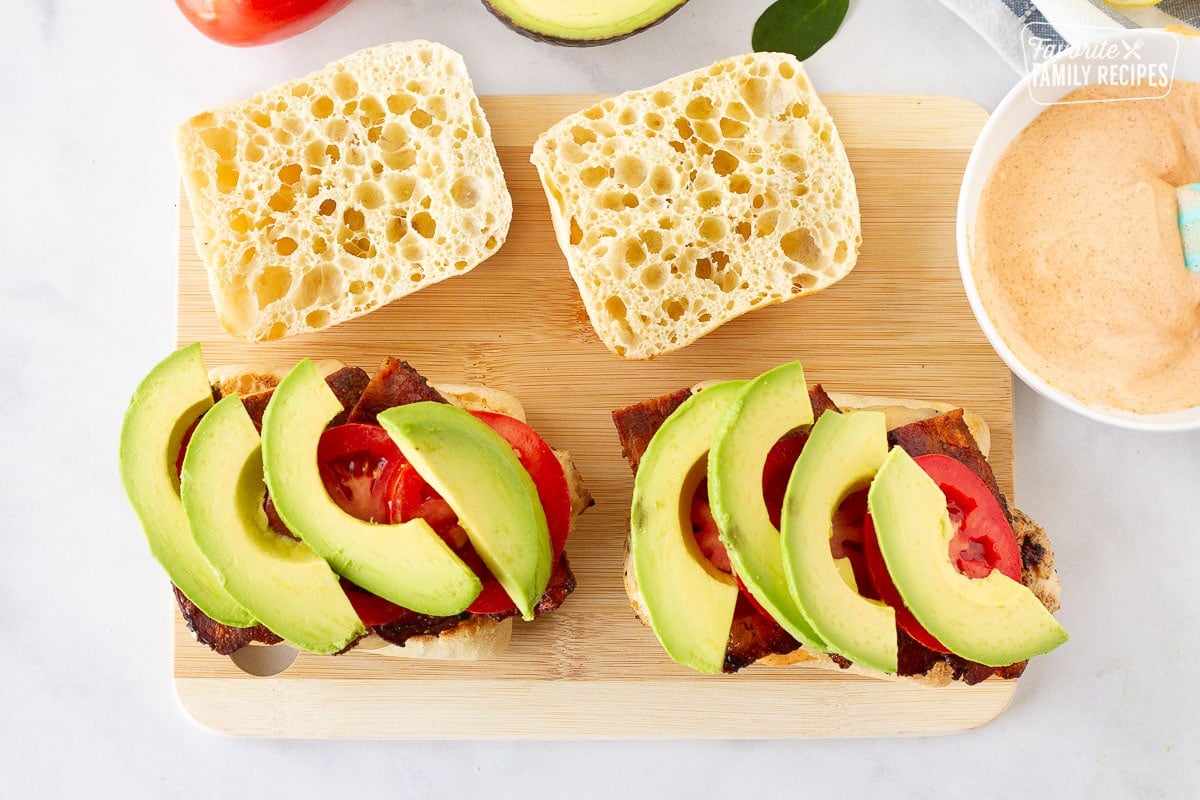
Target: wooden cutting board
{"x":898,"y":325}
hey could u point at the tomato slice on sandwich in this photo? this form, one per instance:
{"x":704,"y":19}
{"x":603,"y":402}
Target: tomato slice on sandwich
{"x":368,"y":476}
{"x":361,"y":467}
{"x":543,"y":466}
{"x":983,"y":541}
{"x":546,"y":470}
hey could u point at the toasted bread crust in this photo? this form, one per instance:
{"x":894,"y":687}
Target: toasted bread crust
{"x":474,"y":639}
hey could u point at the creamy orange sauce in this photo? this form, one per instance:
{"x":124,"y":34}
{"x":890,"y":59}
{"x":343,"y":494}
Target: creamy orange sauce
{"x":1076,"y":250}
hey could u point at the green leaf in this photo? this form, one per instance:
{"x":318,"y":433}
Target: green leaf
{"x":799,"y":27}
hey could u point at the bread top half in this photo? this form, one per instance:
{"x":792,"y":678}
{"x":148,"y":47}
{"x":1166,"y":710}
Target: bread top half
{"x":325,"y":197}
{"x":684,"y":205}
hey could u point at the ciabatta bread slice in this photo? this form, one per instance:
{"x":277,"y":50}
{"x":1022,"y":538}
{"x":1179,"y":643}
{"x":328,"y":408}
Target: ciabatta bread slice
{"x":328,"y":196}
{"x":684,"y":205}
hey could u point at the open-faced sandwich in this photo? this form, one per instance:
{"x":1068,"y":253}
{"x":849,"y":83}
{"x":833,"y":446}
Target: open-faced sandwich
{"x":775,"y":523}
{"x":333,"y":509}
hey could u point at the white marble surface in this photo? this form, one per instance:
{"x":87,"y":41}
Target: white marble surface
{"x":91,"y":92}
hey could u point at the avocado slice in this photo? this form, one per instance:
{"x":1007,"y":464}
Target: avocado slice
{"x":581,"y":22}
{"x":767,"y":407}
{"x":994,"y":621}
{"x":842,"y":454}
{"x":287,"y":586}
{"x":407,"y":563}
{"x":164,"y":406}
{"x":478,"y":473}
{"x":688,"y":602}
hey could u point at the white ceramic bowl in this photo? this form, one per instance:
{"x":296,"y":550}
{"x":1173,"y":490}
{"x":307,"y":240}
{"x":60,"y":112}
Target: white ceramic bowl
{"x":1013,"y":114}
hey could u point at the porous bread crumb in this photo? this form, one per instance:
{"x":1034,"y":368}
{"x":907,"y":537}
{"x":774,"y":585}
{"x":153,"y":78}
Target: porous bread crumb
{"x":325,"y":197}
{"x":684,"y":205}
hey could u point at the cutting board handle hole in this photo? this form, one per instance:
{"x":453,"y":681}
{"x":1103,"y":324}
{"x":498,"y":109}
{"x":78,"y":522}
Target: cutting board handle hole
{"x":264,"y":661}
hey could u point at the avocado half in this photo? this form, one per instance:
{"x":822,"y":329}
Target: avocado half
{"x":581,"y":23}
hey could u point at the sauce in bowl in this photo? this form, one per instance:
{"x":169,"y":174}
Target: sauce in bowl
{"x":1076,"y":253}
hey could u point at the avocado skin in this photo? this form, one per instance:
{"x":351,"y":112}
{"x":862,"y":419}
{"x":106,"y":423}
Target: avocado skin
{"x":567,"y":42}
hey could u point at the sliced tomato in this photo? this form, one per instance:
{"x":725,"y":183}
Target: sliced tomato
{"x":411,"y":492}
{"x":704,"y":528}
{"x":983,"y":538}
{"x":888,"y":592}
{"x":493,"y":599}
{"x":847,"y":540}
{"x":778,"y":471}
{"x":438,"y":513}
{"x":249,"y":22}
{"x":361,"y":467}
{"x":368,"y":477}
{"x":984,"y":541}
{"x":416,"y":498}
{"x":543,"y":466}
{"x":371,"y":608}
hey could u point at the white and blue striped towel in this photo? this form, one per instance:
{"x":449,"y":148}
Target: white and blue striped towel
{"x":1001,"y":22}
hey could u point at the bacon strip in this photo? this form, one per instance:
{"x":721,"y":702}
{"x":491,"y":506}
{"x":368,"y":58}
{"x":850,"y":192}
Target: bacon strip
{"x":224,"y":639}
{"x":413,"y":624}
{"x":395,"y":384}
{"x":753,"y":636}
{"x":820,"y":401}
{"x":637,"y":424}
{"x":347,"y":384}
{"x":562,"y":583}
{"x":948,"y":435}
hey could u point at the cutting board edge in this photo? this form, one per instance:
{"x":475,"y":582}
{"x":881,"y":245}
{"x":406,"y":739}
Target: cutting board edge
{"x":331,"y":709}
